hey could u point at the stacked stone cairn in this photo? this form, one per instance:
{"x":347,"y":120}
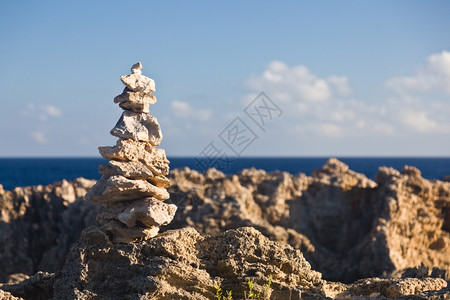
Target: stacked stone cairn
{"x":133,"y":186}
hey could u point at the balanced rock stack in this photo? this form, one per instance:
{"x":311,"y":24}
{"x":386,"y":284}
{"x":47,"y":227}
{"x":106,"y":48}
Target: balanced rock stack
{"x":133,"y":186}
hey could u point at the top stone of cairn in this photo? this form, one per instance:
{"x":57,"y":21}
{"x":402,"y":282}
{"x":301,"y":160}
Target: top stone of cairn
{"x":138,"y":82}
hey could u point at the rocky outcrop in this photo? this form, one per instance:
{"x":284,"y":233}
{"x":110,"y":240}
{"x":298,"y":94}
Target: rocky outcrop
{"x":376,"y":288}
{"x":37,"y":287}
{"x":8,"y":296}
{"x":347,"y":226}
{"x":182,"y":264}
{"x":133,"y":186}
{"x":39,"y":224}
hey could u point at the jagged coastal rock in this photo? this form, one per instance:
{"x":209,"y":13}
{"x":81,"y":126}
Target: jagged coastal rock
{"x":182,"y":264}
{"x":347,"y":226}
{"x":133,"y":186}
{"x":39,"y":224}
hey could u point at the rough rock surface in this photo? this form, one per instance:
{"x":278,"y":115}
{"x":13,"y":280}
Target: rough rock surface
{"x":8,"y":296}
{"x":148,"y":211}
{"x":118,"y":188}
{"x":129,"y":150}
{"x":36,"y":287}
{"x":138,"y":83}
{"x":376,"y":288}
{"x":182,"y":264}
{"x":132,"y":170}
{"x":139,"y":127}
{"x":39,"y":224}
{"x":347,"y":226}
{"x":136,"y":101}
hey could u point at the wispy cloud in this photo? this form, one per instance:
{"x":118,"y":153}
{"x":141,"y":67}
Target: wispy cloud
{"x":39,"y":137}
{"x":185,"y":110}
{"x":298,"y":83}
{"x":42,"y":111}
{"x":324,"y":106}
{"x":433,"y":75}
{"x":52,"y":111}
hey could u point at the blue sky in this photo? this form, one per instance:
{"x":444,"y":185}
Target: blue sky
{"x":352,"y":78}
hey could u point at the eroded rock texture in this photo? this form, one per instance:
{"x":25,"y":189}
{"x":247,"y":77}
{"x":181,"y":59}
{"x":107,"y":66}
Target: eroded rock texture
{"x":182,"y":264}
{"x":39,"y":224}
{"x":346,"y":225}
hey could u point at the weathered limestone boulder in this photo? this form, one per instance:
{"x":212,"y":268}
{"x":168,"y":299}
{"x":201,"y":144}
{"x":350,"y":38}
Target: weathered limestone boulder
{"x":135,"y":101}
{"x":132,"y":170}
{"x":130,"y":150}
{"x":124,"y":234}
{"x":139,"y":127}
{"x":148,"y":211}
{"x":137,"y":169}
{"x":138,"y":83}
{"x":118,"y":188}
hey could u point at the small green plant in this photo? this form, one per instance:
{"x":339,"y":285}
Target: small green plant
{"x":220,"y":296}
{"x":249,"y":294}
{"x":267,"y":285}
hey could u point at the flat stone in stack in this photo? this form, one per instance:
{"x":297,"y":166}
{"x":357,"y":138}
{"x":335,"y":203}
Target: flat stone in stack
{"x":133,"y":186}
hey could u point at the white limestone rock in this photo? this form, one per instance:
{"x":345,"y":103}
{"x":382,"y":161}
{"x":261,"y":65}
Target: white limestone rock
{"x":118,"y":188}
{"x":122,"y":234}
{"x":138,"y":83}
{"x":135,"y":101}
{"x":149,"y":211}
{"x":136,"y":68}
{"x":131,"y":169}
{"x":155,"y":159}
{"x":125,"y":150}
{"x":160,"y":181}
{"x":139,"y":127}
{"x":136,"y":107}
{"x":130,"y":150}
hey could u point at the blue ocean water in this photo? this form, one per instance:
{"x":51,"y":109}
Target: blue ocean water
{"x":33,"y":171}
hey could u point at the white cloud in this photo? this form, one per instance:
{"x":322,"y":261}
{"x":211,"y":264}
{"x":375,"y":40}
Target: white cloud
{"x":293,"y":83}
{"x":434,"y":75}
{"x":329,"y":129}
{"x":325,"y":107}
{"x":418,"y":120}
{"x":418,"y":115}
{"x":340,"y":85}
{"x":383,"y":127}
{"x":322,"y":105}
{"x":39,"y":137}
{"x":41,"y":112}
{"x":185,"y":110}
{"x":52,"y":111}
